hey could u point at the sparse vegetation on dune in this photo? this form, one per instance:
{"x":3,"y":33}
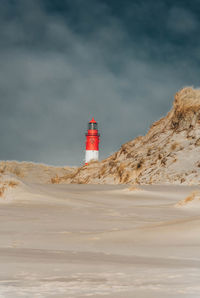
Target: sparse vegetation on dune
{"x":12,"y":183}
{"x":6,"y":184}
{"x":194,"y":197}
{"x":161,"y":155}
{"x":33,"y":172}
{"x":55,"y":180}
{"x":168,"y":153}
{"x":2,"y":190}
{"x":134,"y":188}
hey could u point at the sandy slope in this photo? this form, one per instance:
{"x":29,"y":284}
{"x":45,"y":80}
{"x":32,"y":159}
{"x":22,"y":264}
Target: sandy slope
{"x":168,"y":153}
{"x":98,"y":241}
{"x":33,"y":172}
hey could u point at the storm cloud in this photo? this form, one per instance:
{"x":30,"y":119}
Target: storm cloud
{"x":62,"y":64}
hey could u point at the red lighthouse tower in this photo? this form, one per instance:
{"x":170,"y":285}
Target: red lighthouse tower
{"x":92,"y":142}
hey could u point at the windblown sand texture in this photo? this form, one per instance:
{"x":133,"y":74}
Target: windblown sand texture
{"x":76,"y":241}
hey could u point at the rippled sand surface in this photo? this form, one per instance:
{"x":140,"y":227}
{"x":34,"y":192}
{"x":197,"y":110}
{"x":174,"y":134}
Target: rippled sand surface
{"x":99,"y":241}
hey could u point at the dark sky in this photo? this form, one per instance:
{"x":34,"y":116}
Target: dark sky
{"x":64,"y":62}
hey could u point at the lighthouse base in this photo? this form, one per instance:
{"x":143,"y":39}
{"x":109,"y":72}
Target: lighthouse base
{"x":91,"y":155}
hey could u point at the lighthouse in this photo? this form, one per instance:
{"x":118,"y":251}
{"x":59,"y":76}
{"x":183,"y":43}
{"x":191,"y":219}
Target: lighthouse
{"x":92,"y":142}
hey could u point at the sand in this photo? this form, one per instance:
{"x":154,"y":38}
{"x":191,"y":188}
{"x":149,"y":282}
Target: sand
{"x":98,"y":241}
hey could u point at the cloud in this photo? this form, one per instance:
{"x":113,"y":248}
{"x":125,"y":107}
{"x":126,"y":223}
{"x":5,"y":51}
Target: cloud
{"x":61,"y":68}
{"x":182,"y":21}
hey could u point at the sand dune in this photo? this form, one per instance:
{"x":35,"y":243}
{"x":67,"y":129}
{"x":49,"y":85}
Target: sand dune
{"x":34,"y":172}
{"x":168,"y":153}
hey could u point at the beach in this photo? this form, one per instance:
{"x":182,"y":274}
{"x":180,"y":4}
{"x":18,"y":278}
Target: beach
{"x":99,"y":241}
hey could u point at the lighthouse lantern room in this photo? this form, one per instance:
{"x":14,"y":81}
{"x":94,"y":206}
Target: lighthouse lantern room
{"x":92,"y":142}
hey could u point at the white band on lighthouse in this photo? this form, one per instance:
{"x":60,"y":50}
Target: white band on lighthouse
{"x":91,"y":155}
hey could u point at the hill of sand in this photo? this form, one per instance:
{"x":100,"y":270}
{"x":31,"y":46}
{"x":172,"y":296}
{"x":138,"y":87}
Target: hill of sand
{"x":33,"y":172}
{"x":168,"y":153}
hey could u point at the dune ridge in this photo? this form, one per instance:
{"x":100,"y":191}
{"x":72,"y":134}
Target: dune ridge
{"x":33,"y":172}
{"x":168,"y":153}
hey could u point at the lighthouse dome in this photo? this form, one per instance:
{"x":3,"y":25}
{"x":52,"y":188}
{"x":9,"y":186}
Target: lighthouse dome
{"x":92,"y":125}
{"x":92,"y":121}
